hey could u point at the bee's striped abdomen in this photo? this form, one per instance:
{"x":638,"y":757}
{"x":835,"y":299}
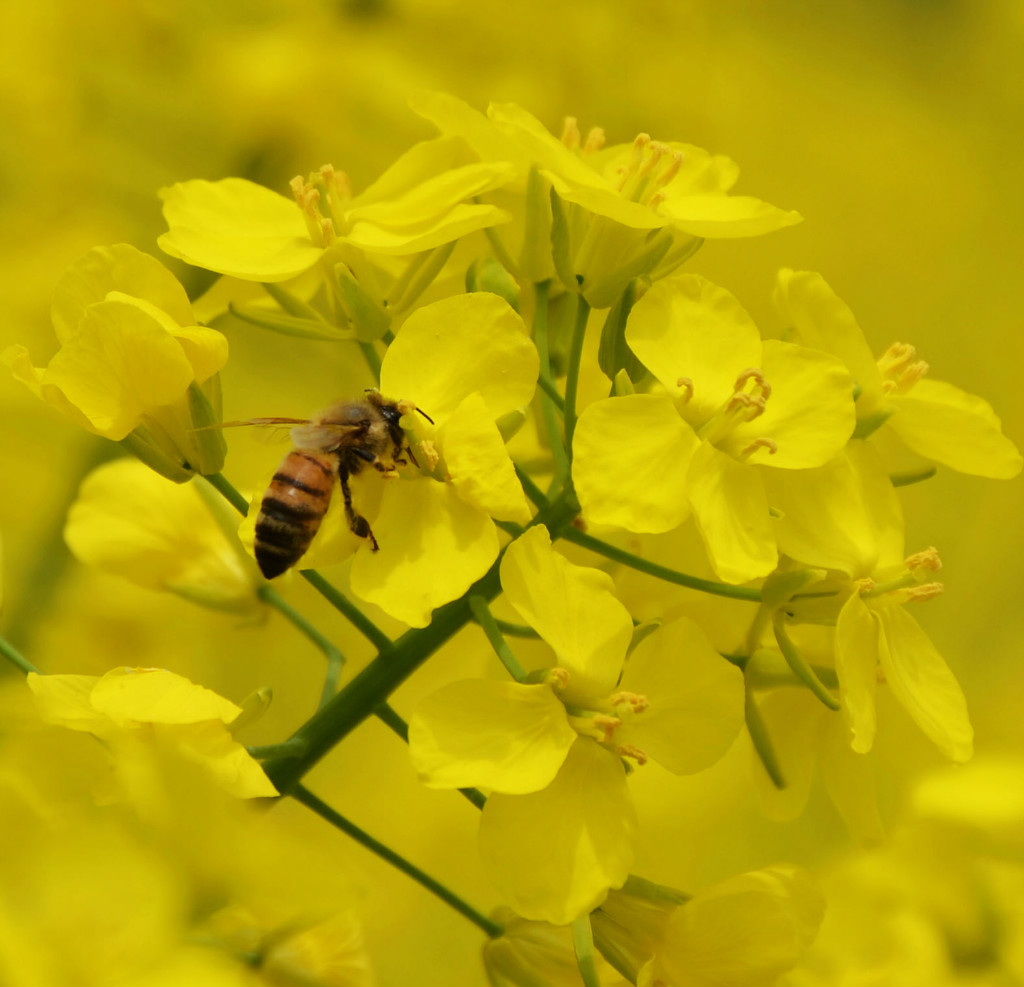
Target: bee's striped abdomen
{"x":292,"y":509}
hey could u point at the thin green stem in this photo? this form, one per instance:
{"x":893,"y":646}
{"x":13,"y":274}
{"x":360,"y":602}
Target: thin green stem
{"x":531,"y":489}
{"x":572,"y":378}
{"x":551,"y":391}
{"x":500,"y":250}
{"x":658,"y":571}
{"x":347,"y":609}
{"x":220,"y":483}
{"x":372,"y":358}
{"x":547,"y":405}
{"x":19,"y":661}
{"x":758,"y":731}
{"x":514,"y":630}
{"x":305,"y":797}
{"x":583,"y":946}
{"x":483,"y":616}
{"x":796,"y":661}
{"x":335,"y":659}
{"x":396,"y":662}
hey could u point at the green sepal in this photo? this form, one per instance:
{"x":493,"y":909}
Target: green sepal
{"x":418,"y":276}
{"x":488,"y":274}
{"x":865,"y":426}
{"x":535,"y":259}
{"x":210,"y":444}
{"x":621,"y":385}
{"x":288,"y":325}
{"x":798,"y":663}
{"x":369,"y":320}
{"x":613,"y":354}
{"x":602,"y":291}
{"x":510,"y":424}
{"x":294,"y":305}
{"x":640,"y":632}
{"x":561,"y":244}
{"x":253,"y":707}
{"x":760,"y":738}
{"x":780,"y":587}
{"x":142,"y":446}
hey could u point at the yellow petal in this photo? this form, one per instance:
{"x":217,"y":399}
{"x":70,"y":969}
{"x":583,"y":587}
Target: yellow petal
{"x":117,"y":268}
{"x":957,"y":429}
{"x":695,"y":699}
{"x":731,"y":511}
{"x":793,"y":721}
{"x":554,"y":854}
{"x":823,"y":321}
{"x":453,"y":347}
{"x":858,"y":645}
{"x":433,"y":547}
{"x":64,"y":700}
{"x":721,"y":216}
{"x":210,"y":744}
{"x":631,"y":457}
{"x":500,"y":735}
{"x":237,"y":227}
{"x":457,"y":222}
{"x":155,"y":695}
{"x":120,"y":363}
{"x":479,"y":465}
{"x":572,"y":607}
{"x":921,"y":680}
{"x":687,"y":327}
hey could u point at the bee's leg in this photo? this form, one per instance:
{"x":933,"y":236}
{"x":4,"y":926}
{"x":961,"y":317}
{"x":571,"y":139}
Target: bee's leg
{"x":357,"y":524}
{"x":412,"y":458}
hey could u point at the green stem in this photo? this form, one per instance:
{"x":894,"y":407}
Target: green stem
{"x":500,"y":250}
{"x":547,"y":405}
{"x":572,"y":378}
{"x":372,"y":358}
{"x":796,"y":661}
{"x":762,"y":741}
{"x":551,"y":391}
{"x":16,"y":658}
{"x":220,"y":483}
{"x":265,"y":751}
{"x":583,"y":946}
{"x":390,"y":668}
{"x":659,"y":571}
{"x":305,"y":797}
{"x":531,"y":489}
{"x":514,"y":630}
{"x":347,"y":609}
{"x":335,"y":659}
{"x":483,"y":616}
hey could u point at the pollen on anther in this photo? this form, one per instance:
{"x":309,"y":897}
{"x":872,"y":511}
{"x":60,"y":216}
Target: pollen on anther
{"x":928,"y":559}
{"x":927,"y":591}
{"x":628,"y":750}
{"x":686,"y":383}
{"x":761,"y":443}
{"x":595,"y":140}
{"x":570,"y":133}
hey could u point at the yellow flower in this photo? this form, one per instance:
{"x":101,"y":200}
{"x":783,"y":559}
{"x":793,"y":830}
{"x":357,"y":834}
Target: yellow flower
{"x":731,"y":406}
{"x":551,"y":752}
{"x":151,"y":705}
{"x":242,"y":229}
{"x":619,"y":197}
{"x":133,"y":366}
{"x":159,"y":535}
{"x":933,"y":418}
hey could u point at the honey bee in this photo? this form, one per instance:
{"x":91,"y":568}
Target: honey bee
{"x":337,"y":443}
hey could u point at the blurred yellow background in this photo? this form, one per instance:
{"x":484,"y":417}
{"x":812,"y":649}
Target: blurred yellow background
{"x":894,"y":126}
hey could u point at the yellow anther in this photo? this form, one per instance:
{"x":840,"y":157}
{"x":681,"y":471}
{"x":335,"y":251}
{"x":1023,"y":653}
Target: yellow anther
{"x":865,"y":585}
{"x":752,"y":403}
{"x":928,"y":559}
{"x":327,"y":234}
{"x":607,"y":725}
{"x":634,"y":700}
{"x":762,"y":443}
{"x":755,"y":375}
{"x":595,"y":140}
{"x":431,"y":457}
{"x":926,"y":591}
{"x":899,"y":369}
{"x":686,"y":383}
{"x":675,"y":162}
{"x":570,"y":133}
{"x":628,"y":750}
{"x":558,"y":679}
{"x":656,"y":200}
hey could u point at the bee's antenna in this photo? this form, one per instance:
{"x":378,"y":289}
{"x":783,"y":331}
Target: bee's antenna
{"x":425,"y":415}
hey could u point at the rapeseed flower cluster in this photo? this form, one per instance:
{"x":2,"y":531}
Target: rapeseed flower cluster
{"x":471,"y":278}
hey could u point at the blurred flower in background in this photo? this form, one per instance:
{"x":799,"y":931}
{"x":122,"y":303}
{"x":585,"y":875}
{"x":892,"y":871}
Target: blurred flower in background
{"x":891,"y":127}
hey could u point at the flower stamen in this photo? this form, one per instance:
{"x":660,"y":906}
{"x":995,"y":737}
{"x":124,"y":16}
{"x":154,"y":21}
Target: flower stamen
{"x":900,"y":371}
